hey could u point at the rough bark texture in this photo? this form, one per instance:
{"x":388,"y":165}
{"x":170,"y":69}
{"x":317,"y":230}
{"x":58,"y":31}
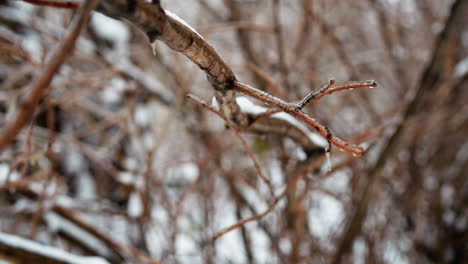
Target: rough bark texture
{"x":158,"y":26}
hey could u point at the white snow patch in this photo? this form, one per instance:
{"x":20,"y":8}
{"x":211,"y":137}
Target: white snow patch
{"x":4,"y":170}
{"x":248,"y":107}
{"x":110,"y":29}
{"x":47,"y":251}
{"x":214,"y":103}
{"x":180,"y":20}
{"x":285,"y":245}
{"x":126,"y":177}
{"x":359,"y":251}
{"x":393,"y":254}
{"x":325,"y":216}
{"x":185,"y":245}
{"x":155,"y":238}
{"x":229,"y":247}
{"x":135,"y":205}
{"x":86,"y":188}
{"x":142,"y":115}
{"x":276,"y":173}
{"x":186,"y":171}
{"x":74,"y":161}
{"x":338,"y":182}
{"x":461,"y":68}
{"x":261,"y":245}
{"x":149,"y":140}
{"x":31,"y":43}
{"x":113,"y":93}
{"x":57,"y":223}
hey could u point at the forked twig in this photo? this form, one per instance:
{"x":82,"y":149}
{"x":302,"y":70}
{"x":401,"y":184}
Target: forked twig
{"x":167,"y":27}
{"x":294,"y":109}
{"x":326,"y":89}
{"x":329,"y":89}
{"x":199,"y":101}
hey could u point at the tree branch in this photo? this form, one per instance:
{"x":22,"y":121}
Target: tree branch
{"x":159,"y":24}
{"x":41,"y":83}
{"x":429,"y":80}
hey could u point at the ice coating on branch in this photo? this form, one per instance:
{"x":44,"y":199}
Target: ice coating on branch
{"x":180,"y":20}
{"x":248,"y":107}
{"x":329,"y":165}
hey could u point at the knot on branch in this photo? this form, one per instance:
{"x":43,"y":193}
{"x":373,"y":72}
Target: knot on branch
{"x":222,"y":86}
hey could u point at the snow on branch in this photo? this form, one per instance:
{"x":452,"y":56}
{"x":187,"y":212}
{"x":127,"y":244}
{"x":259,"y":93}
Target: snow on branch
{"x":159,"y":24}
{"x":28,"y":251}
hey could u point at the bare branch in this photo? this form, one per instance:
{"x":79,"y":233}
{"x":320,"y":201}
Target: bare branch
{"x":297,"y":113}
{"x":56,"y":4}
{"x":41,"y":83}
{"x":238,"y":135}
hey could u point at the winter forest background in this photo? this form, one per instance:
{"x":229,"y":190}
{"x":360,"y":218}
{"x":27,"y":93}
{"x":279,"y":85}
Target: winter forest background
{"x":113,"y":163}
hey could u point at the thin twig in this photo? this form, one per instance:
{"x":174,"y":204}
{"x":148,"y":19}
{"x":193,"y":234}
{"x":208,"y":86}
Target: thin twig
{"x":431,"y":77}
{"x":57,"y":4}
{"x":345,"y":86}
{"x":294,"y":111}
{"x":41,"y":83}
{"x":314,"y":96}
{"x":297,"y":177}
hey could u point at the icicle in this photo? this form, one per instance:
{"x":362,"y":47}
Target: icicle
{"x":374,"y":84}
{"x":153,"y":47}
{"x":327,"y":154}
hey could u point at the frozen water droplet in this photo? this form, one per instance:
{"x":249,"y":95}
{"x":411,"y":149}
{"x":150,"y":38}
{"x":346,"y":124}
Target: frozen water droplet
{"x":372,"y":83}
{"x":153,"y":47}
{"x":327,"y":153}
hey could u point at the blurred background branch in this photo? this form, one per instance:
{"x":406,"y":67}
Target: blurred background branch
{"x":115,"y":163}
